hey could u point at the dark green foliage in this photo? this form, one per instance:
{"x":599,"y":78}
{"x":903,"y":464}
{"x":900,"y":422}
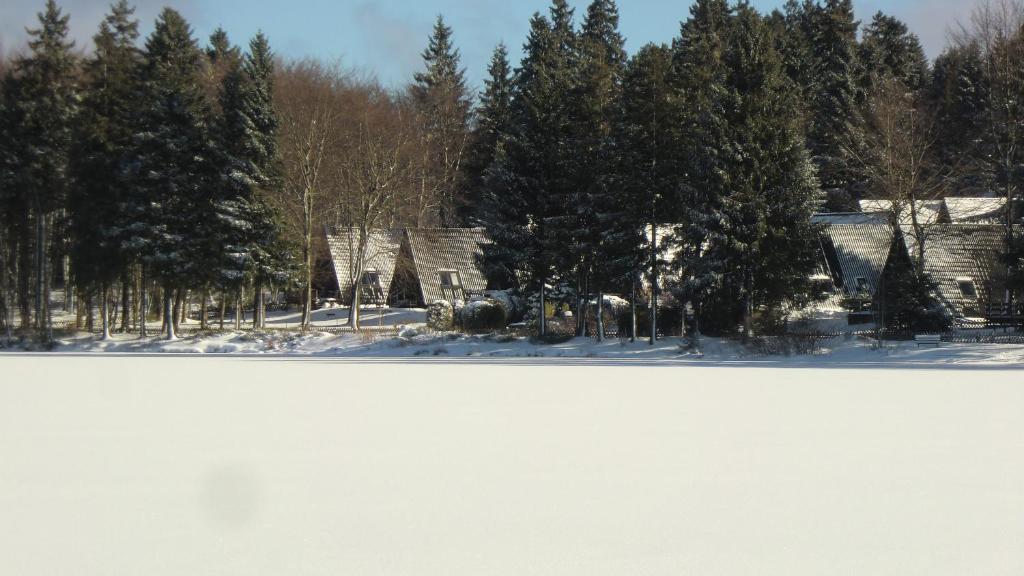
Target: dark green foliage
{"x":444,"y":103}
{"x":493,"y":122}
{"x":483,"y":317}
{"x":41,"y":103}
{"x":835,"y":131}
{"x":644,"y":185}
{"x":708,"y":155}
{"x":103,"y":135}
{"x":172,"y":162}
{"x":889,"y":49}
{"x":531,"y":172}
{"x":906,"y":301}
{"x":959,"y":97}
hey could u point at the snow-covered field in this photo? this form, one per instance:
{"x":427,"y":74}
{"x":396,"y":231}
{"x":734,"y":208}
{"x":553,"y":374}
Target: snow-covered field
{"x":847,"y":351}
{"x":167,"y":465}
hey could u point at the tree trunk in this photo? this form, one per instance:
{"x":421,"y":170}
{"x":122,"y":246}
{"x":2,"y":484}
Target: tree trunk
{"x":223,"y":307}
{"x":40,"y":264}
{"x":89,"y":325}
{"x":260,"y":312}
{"x":125,"y":304}
{"x":176,"y":310}
{"x":632,"y":311}
{"x":543,"y":326}
{"x":105,"y":311}
{"x":143,"y":304}
{"x":238,"y":310}
{"x":355,"y":315}
{"x":203,"y":314}
{"x":169,"y":313}
{"x":654,"y":284}
{"x":600,"y":316}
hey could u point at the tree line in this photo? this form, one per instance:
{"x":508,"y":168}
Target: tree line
{"x":146,"y":176}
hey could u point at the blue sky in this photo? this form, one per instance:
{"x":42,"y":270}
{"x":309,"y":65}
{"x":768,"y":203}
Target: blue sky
{"x":386,"y":37}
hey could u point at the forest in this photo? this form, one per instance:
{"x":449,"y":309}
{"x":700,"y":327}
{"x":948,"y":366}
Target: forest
{"x":142,"y":175}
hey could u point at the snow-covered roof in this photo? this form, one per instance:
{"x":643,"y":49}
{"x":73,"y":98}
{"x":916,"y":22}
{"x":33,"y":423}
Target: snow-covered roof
{"x":975,"y":210}
{"x":828,"y":218}
{"x":856,"y":254}
{"x":928,"y":211}
{"x":447,"y":249}
{"x":958,"y":252}
{"x":381,"y":255}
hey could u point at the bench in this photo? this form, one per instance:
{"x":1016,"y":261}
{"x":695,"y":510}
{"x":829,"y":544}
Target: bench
{"x":928,"y":340}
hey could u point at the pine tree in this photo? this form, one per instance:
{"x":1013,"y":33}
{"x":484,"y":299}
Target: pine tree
{"x":42,"y":102}
{"x":529,"y":175}
{"x":835,"y":133}
{"x":247,"y":132}
{"x":597,"y":86}
{"x":960,"y":102}
{"x":441,"y":96}
{"x":770,"y":238}
{"x":889,"y":49}
{"x":707,"y":157}
{"x":172,"y":165}
{"x":493,"y":121}
{"x":644,"y":181}
{"x":104,"y":130}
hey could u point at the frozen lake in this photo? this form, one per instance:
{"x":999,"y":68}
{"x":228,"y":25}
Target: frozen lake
{"x":218,"y":465}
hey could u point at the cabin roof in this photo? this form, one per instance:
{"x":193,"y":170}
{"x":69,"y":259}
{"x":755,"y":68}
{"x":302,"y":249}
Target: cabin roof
{"x":443,"y":249}
{"x":859,"y":251}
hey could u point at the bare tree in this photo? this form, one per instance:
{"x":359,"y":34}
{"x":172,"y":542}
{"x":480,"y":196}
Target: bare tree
{"x":374,"y":180}
{"x":997,"y":27}
{"x":307,"y":93}
{"x":900,"y":159}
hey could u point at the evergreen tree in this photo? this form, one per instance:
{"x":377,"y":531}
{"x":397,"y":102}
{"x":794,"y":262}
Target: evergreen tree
{"x":104,"y":130}
{"x":493,"y":119}
{"x":597,"y":85}
{"x":247,"y":133}
{"x":959,"y":98}
{"x":172,"y":165}
{"x":530,"y":175}
{"x":773,"y":191}
{"x":41,"y":105}
{"x":835,"y":133}
{"x":708,"y":155}
{"x":444,"y":103}
{"x":889,"y":49}
{"x":645,"y":182}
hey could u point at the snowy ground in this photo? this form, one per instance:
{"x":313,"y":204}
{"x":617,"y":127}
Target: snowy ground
{"x":841,"y":351}
{"x":167,"y":465}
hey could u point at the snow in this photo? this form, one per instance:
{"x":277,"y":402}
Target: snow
{"x":413,"y":341}
{"x":264,"y":466}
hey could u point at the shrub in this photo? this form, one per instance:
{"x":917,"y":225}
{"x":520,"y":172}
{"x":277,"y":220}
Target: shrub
{"x":483,"y":316}
{"x":440,"y":316}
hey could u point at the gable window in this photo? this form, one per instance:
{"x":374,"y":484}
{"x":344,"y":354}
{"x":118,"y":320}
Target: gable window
{"x":451,"y":284}
{"x":863,"y":285}
{"x":968,"y":289}
{"x":373,"y":292}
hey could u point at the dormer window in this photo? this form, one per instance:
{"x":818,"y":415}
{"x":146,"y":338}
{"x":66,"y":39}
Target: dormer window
{"x":863,"y":286}
{"x":968,"y":289}
{"x":451,"y":285}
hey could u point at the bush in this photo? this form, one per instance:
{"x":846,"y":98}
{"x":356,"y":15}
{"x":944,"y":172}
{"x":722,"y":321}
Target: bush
{"x":512,"y":301}
{"x":484,"y":316}
{"x":440,"y":316}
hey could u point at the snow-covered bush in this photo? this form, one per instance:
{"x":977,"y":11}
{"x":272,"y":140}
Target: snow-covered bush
{"x":440,"y":316}
{"x":407,"y":333}
{"x":482,"y":316}
{"x":512,"y":301}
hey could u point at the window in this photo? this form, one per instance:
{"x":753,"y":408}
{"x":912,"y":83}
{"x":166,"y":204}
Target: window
{"x":863,"y":285}
{"x":450,"y":279}
{"x":451,"y":285}
{"x":967,"y":288}
{"x":373,"y":292}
